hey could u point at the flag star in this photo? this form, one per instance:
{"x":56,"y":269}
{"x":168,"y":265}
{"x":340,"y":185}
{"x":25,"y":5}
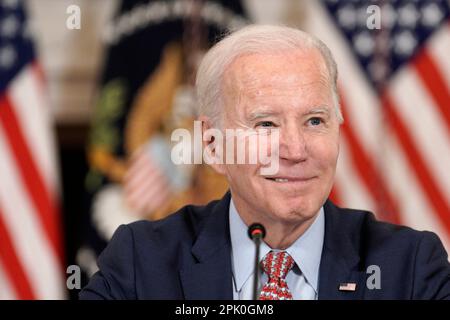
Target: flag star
{"x":11,"y":4}
{"x":347,"y":17}
{"x":364,"y":43}
{"x":408,"y":16}
{"x":362,"y":16}
{"x":388,"y":16}
{"x":431,"y":15}
{"x":405,"y":43}
{"x":9,"y":26}
{"x":7,"y":57}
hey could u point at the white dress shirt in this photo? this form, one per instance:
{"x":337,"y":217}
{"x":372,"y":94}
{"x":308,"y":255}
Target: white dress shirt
{"x":306,"y":251}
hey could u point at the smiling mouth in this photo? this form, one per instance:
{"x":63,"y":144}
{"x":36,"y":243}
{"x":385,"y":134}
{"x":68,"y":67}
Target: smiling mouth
{"x":281,"y":180}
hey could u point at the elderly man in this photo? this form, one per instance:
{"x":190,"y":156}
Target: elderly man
{"x":274,"y":78}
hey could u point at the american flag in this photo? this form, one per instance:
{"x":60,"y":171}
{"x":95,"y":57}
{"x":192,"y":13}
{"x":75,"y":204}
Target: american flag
{"x":347,"y":287}
{"x":395,"y":88}
{"x":30,"y":241}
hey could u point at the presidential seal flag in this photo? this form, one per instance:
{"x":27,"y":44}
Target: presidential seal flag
{"x":146,"y":92}
{"x":31,"y":248}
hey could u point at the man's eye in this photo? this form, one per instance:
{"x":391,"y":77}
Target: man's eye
{"x":265,"y":124}
{"x":315,"y":121}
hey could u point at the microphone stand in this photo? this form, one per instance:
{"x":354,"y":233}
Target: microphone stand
{"x":256,"y":232}
{"x":257,"y":242}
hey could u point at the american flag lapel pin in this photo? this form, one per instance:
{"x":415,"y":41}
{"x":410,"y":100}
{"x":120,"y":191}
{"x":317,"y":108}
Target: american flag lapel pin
{"x":350,"y":286}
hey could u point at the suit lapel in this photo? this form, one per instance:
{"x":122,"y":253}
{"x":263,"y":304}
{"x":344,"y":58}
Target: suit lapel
{"x":340,"y":259}
{"x":208,"y":275}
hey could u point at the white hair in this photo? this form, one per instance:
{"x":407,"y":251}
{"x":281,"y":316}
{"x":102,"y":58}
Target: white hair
{"x":253,"y":39}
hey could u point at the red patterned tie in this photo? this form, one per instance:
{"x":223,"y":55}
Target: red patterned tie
{"x":276,"y":265}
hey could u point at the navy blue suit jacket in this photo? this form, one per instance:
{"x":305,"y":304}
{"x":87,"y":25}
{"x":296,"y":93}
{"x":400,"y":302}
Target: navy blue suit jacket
{"x":188,"y":256}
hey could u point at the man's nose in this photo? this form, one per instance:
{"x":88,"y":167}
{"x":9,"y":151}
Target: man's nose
{"x":293,"y":144}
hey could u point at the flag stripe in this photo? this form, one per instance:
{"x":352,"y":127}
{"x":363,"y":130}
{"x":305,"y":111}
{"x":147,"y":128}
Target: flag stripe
{"x":439,"y":46}
{"x":418,"y":114}
{"x":7,"y":291}
{"x":25,"y":228}
{"x":335,"y":195}
{"x":139,"y":161}
{"x":30,"y":175}
{"x":386,"y":206}
{"x":415,"y":209}
{"x":434,"y":82}
{"x":141,"y":179}
{"x":12,"y":265}
{"x":422,"y":173}
{"x":152,"y":192}
{"x":27,"y":95}
{"x":137,"y":192}
{"x":353,"y":192}
{"x":31,"y":247}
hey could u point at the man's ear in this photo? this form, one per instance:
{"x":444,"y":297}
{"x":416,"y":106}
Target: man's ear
{"x":212,"y":143}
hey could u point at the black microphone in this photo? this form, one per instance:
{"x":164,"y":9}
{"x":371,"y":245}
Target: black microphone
{"x":256,"y":232}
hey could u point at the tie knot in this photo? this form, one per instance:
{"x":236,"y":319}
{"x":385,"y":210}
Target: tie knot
{"x":277,"y":264}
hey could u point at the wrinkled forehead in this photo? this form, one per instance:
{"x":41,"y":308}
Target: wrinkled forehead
{"x":263,"y":73}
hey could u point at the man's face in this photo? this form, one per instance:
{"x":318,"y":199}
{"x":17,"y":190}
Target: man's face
{"x":292,"y":93}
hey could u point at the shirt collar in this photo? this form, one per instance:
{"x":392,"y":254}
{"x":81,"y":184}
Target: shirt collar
{"x":306,"y":250}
